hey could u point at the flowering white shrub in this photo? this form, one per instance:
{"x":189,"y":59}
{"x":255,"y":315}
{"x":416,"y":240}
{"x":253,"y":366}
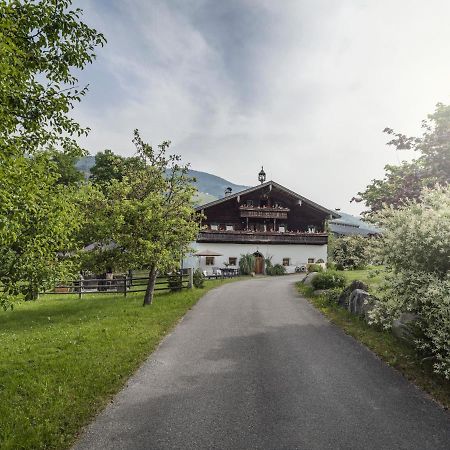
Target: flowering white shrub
{"x":415,"y":247}
{"x":351,"y":252}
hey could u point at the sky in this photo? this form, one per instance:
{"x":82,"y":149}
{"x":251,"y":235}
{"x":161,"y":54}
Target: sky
{"x":304,"y":88}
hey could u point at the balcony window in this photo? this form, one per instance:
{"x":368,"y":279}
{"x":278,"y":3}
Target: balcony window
{"x":210,"y":260}
{"x":286,"y":261}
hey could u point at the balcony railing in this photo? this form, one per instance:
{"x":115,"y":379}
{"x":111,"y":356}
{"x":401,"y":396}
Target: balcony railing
{"x":262,"y":237}
{"x":272,"y":212}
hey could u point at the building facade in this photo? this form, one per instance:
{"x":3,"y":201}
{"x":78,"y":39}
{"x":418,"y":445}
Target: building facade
{"x":268,"y":221}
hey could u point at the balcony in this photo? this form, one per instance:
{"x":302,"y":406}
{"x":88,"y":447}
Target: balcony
{"x":269,"y":212}
{"x":262,"y":237}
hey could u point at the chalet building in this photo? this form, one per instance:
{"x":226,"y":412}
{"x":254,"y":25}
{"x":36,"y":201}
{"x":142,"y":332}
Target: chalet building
{"x":268,"y":221}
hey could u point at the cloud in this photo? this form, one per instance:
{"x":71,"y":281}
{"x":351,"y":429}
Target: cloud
{"x":304,"y":88}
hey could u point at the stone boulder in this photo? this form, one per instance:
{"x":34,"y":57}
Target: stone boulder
{"x":405,"y":327}
{"x":308,"y":279}
{"x":344,"y":298}
{"x":360,"y":302}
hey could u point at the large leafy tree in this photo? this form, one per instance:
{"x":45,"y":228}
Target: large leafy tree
{"x":146,"y":219}
{"x":109,"y":166}
{"x":406,"y":181}
{"x":42,"y":44}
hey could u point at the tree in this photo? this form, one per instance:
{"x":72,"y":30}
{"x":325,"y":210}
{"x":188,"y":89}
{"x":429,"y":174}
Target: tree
{"x":148,"y":215}
{"x":350,"y":252}
{"x":39,"y":218}
{"x":41,"y":44}
{"x":109,"y":166}
{"x":65,"y":166}
{"x":415,"y":248}
{"x":406,"y":181}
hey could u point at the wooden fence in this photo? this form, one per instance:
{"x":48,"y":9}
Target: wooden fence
{"x":122,"y":284}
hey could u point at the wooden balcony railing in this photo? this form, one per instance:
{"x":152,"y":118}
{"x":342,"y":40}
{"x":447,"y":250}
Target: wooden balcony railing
{"x":272,"y":212}
{"x":261,"y":237}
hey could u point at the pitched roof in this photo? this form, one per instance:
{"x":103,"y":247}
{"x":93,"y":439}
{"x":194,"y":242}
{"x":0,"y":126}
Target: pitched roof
{"x":275,"y":185}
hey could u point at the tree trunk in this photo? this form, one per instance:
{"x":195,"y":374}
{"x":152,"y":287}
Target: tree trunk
{"x":148,"y":299}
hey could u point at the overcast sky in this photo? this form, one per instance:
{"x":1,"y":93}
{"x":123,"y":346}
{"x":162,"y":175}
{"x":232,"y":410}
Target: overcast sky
{"x":303,"y":87}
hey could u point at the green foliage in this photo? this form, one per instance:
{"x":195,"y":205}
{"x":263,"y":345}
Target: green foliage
{"x":42,"y":44}
{"x":351,"y":252}
{"x":198,"y":279}
{"x":273,"y":270}
{"x":65,"y":166}
{"x":247,"y":264}
{"x":406,"y":181}
{"x":175,"y":281}
{"x":109,"y":166}
{"x":148,"y":215}
{"x":328,"y":280}
{"x":415,"y":245}
{"x":38,"y":219}
{"x":314,"y":268}
{"x":331,"y":296}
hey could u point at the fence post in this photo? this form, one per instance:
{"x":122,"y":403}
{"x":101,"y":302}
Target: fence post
{"x":80,"y":292}
{"x":191,"y":277}
{"x":125,"y":286}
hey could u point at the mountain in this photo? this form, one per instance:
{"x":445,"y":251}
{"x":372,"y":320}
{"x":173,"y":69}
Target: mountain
{"x":210,"y":187}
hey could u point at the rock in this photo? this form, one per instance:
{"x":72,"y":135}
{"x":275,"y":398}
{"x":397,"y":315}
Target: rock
{"x":308,"y":279}
{"x":344,"y":298}
{"x":360,"y":302}
{"x":405,"y":327}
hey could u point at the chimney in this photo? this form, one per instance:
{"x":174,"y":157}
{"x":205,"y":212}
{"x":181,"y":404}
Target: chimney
{"x":228,"y":191}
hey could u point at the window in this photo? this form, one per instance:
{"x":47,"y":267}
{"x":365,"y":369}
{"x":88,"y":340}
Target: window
{"x":281,"y":229}
{"x":310,"y":260}
{"x":286,"y":262}
{"x":210,"y":260}
{"x":230,"y":227}
{"x":232,"y":261}
{"x":214,"y":227}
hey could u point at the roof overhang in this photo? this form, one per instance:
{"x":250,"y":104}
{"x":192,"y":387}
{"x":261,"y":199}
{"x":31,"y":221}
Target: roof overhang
{"x":272,"y":184}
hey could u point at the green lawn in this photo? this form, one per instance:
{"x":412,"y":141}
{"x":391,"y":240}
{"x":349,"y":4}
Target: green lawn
{"x":61,"y":359}
{"x":393,"y":351}
{"x":372,"y":276}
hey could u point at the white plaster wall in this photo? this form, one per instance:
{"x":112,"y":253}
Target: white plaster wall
{"x":298,"y":254}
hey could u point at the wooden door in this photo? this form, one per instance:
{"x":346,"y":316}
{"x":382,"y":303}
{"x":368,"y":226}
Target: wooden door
{"x":259,"y":264}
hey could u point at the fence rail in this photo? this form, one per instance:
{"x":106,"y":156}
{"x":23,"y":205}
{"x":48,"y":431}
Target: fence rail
{"x":125,"y":285}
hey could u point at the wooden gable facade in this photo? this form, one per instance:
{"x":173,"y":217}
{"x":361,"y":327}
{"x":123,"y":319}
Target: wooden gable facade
{"x":268,"y":213}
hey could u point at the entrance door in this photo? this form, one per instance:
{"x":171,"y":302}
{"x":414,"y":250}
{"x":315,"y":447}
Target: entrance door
{"x":259,"y":264}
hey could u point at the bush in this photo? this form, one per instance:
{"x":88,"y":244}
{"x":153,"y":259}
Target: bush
{"x":198,"y":279}
{"x":332,"y":295}
{"x":247,"y":264}
{"x":314,"y":268}
{"x":174,"y":281}
{"x":415,"y":245}
{"x":351,"y":252}
{"x":276,"y":269}
{"x":328,"y":280}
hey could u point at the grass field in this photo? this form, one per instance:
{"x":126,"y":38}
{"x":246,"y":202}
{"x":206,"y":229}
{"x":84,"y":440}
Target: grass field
{"x":393,"y":351}
{"x":61,"y":359}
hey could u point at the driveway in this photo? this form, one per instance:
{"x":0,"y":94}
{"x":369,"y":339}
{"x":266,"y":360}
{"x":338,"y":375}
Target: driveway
{"x":255,"y":366}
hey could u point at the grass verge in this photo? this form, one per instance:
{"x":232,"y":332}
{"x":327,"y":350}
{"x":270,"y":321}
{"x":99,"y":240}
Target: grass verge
{"x":61,"y":359}
{"x":390,"y":349}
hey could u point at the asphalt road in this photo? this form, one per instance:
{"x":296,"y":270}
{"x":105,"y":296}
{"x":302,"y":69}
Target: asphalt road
{"x":254,"y":366}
